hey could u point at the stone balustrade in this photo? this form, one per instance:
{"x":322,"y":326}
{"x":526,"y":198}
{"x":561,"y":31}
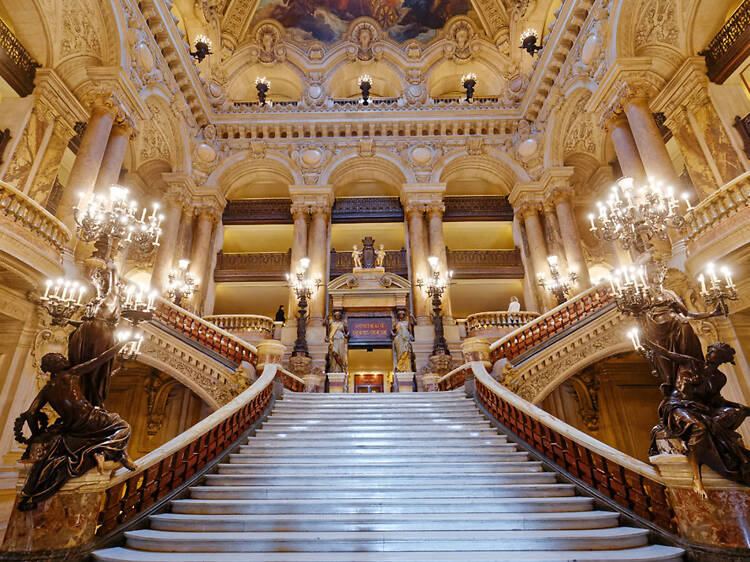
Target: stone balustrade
{"x":709,"y":225}
{"x":27,"y":218}
{"x":250,"y":327}
{"x":497,"y":323}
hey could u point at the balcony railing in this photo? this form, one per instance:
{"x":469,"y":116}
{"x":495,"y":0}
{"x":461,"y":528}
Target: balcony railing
{"x":395,"y":262}
{"x":731,"y":45}
{"x":258,"y":266}
{"x":488,"y":264}
{"x":245,"y":326}
{"x":33,"y":217}
{"x":17,"y":66}
{"x":520,"y":342}
{"x":726,"y":202}
{"x":497,"y":324}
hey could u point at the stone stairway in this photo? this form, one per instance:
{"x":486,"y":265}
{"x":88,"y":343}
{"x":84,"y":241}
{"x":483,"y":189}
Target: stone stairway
{"x":400,"y":477}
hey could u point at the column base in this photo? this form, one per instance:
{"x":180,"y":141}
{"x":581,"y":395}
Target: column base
{"x":315,"y":382}
{"x":404,"y":381}
{"x":336,"y":382}
{"x":720,"y":520}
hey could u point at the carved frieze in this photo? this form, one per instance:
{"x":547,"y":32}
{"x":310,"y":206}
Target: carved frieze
{"x":258,"y":211}
{"x":485,"y":264}
{"x":369,"y":209}
{"x":258,"y":266}
{"x":477,"y":208}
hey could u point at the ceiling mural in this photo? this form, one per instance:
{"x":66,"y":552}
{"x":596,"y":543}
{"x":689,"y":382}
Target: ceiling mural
{"x":328,"y":20}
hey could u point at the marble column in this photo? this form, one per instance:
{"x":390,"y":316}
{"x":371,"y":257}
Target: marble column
{"x":114,"y":154}
{"x":530,"y":296}
{"x":571,"y":239}
{"x":317,"y":251}
{"x":165,"y":254}
{"x":538,"y":250}
{"x":88,"y":160}
{"x":199,"y":254}
{"x":418,"y":255}
{"x":625,"y":147}
{"x":553,"y":236}
{"x":301,"y":216}
{"x":185,"y":233}
{"x":437,"y":248}
{"x":648,"y":139}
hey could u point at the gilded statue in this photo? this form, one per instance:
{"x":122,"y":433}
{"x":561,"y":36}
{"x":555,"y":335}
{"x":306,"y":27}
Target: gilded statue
{"x":380,"y":256}
{"x":82,"y":437}
{"x":402,"y":339}
{"x":338,"y":344}
{"x":356,"y":257}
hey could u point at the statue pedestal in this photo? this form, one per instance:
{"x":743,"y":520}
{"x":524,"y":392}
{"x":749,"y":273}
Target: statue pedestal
{"x":336,"y":381}
{"x":67,"y":520}
{"x":314,"y":382}
{"x":720,"y":520}
{"x":404,"y":381}
{"x":429,"y":382}
{"x":269,"y":351}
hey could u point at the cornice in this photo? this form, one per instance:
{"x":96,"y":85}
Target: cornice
{"x":688,"y":86}
{"x":622,"y":70}
{"x":556,"y":181}
{"x":525,"y":193}
{"x":312,"y":196}
{"x":115,"y":82}
{"x":422,"y":195}
{"x":50,"y":89}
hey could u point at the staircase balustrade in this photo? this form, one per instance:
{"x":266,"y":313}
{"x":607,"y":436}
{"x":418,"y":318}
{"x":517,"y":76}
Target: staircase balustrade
{"x":291,"y":381}
{"x":24,"y":211}
{"x":250,"y":325}
{"x":205,"y":333}
{"x":539,"y":331}
{"x":455,"y":379}
{"x":166,"y":468}
{"x":634,"y":485}
{"x":496,"y":323}
{"x":732,"y":198}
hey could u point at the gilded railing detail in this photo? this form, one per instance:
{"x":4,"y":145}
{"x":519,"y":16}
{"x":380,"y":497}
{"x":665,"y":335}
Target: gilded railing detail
{"x":729,"y":47}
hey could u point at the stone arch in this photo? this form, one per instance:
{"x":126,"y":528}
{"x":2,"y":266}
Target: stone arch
{"x":574,"y":130}
{"x":230,"y":174}
{"x":493,"y":163}
{"x":349,"y":166}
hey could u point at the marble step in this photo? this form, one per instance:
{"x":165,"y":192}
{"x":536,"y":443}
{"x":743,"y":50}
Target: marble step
{"x":374,"y":490}
{"x":377,"y":454}
{"x":389,"y":506}
{"x":346,"y":409}
{"x":309,"y":442}
{"x":651,"y":553}
{"x":385,"y":522}
{"x":354,"y":469}
{"x":397,"y":541}
{"x":378,"y":419}
{"x":383,"y":459}
{"x":386,"y":478}
{"x":384,"y":425}
{"x":417,"y":433}
{"x":390,"y":401}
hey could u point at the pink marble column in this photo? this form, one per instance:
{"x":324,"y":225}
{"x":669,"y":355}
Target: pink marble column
{"x":625,"y":147}
{"x":114,"y":154}
{"x":199,"y":254}
{"x":648,"y":139}
{"x":301,"y":216}
{"x":437,"y":248}
{"x":530,"y":296}
{"x":88,"y":160}
{"x":538,"y":248}
{"x":571,"y":240}
{"x":418,"y":256}
{"x":165,"y":254}
{"x":317,"y":251}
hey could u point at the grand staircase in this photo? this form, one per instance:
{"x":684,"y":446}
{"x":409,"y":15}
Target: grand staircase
{"x":400,"y":477}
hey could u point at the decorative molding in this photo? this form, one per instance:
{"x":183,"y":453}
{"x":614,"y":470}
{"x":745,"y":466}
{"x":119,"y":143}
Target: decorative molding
{"x":367,"y":209}
{"x":258,"y":211}
{"x":395,"y":262}
{"x":486,"y":264}
{"x":730,"y":46}
{"x":259,"y":266}
{"x":477,"y":208}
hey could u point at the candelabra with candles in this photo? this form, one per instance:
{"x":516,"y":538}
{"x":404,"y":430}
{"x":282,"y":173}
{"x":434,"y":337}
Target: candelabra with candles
{"x":435,"y":286}
{"x":133,"y":340}
{"x":112,"y":223}
{"x":469,"y":82}
{"x":202,"y":48}
{"x":528,"y":41}
{"x":365,"y":84}
{"x":718,"y":291}
{"x":304,"y":287}
{"x":634,"y":216}
{"x":632,"y":291}
{"x":559,"y":286}
{"x":181,"y":283}
{"x":136,"y":302}
{"x":263,"y":85}
{"x":62,"y":299}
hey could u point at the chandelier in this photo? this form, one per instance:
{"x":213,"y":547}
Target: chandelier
{"x":634,"y":216}
{"x":632,"y":290}
{"x":62,"y":299}
{"x":559,"y":286}
{"x":112,"y":223}
{"x":469,"y":82}
{"x":136,"y":302}
{"x":364,"y":82}
{"x":718,"y":291}
{"x":435,"y":286}
{"x":304,"y":287}
{"x":182,"y":283}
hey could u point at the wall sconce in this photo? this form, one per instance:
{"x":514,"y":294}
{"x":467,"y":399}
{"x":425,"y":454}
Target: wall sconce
{"x":365,"y":83}
{"x":528,"y":41}
{"x":262,"y":85}
{"x":469,"y":82}
{"x":202,"y":48}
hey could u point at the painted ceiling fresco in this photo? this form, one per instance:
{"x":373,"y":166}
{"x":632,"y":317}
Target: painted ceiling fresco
{"x":328,"y":20}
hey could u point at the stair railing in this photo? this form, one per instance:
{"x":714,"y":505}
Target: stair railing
{"x":291,"y":381}
{"x":166,"y":468}
{"x":630,"y":483}
{"x":517,"y":344}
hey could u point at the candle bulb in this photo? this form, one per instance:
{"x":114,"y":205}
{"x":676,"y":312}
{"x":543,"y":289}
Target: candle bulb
{"x":47,"y":284}
{"x":80,"y":293}
{"x":633,"y":339}
{"x":612,"y":284}
{"x":143,"y":215}
{"x":727,"y":277}
{"x":591,"y":218}
{"x":702,"y":280}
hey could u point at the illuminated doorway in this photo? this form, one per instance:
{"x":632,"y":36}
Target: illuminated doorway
{"x":370,"y":369}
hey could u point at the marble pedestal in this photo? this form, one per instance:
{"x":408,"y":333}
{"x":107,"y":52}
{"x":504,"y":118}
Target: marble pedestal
{"x":336,"y":382}
{"x":404,"y":381}
{"x":721,"y":520}
{"x":67,"y":520}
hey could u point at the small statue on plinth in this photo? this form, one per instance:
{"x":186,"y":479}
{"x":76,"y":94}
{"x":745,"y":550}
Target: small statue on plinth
{"x":338,"y":344}
{"x":380,"y":256}
{"x":83,"y":437}
{"x":368,"y":252}
{"x":356,"y":257}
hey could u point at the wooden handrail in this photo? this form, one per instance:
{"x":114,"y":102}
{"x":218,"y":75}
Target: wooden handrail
{"x":635,"y":485}
{"x":549,"y":324}
{"x":164,"y":469}
{"x":291,"y":381}
{"x":205,"y":333}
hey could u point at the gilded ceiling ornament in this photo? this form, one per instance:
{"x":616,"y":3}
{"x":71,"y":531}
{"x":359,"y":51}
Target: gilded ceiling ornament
{"x":268,"y":43}
{"x":364,"y":35}
{"x":460,"y":46}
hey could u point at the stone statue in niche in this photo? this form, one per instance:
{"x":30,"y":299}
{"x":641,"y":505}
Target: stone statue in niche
{"x":368,"y":252}
{"x":269,"y":47}
{"x":83,"y":437}
{"x":459,"y":48}
{"x":402,"y":339}
{"x":338,"y":344}
{"x":693,"y":410}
